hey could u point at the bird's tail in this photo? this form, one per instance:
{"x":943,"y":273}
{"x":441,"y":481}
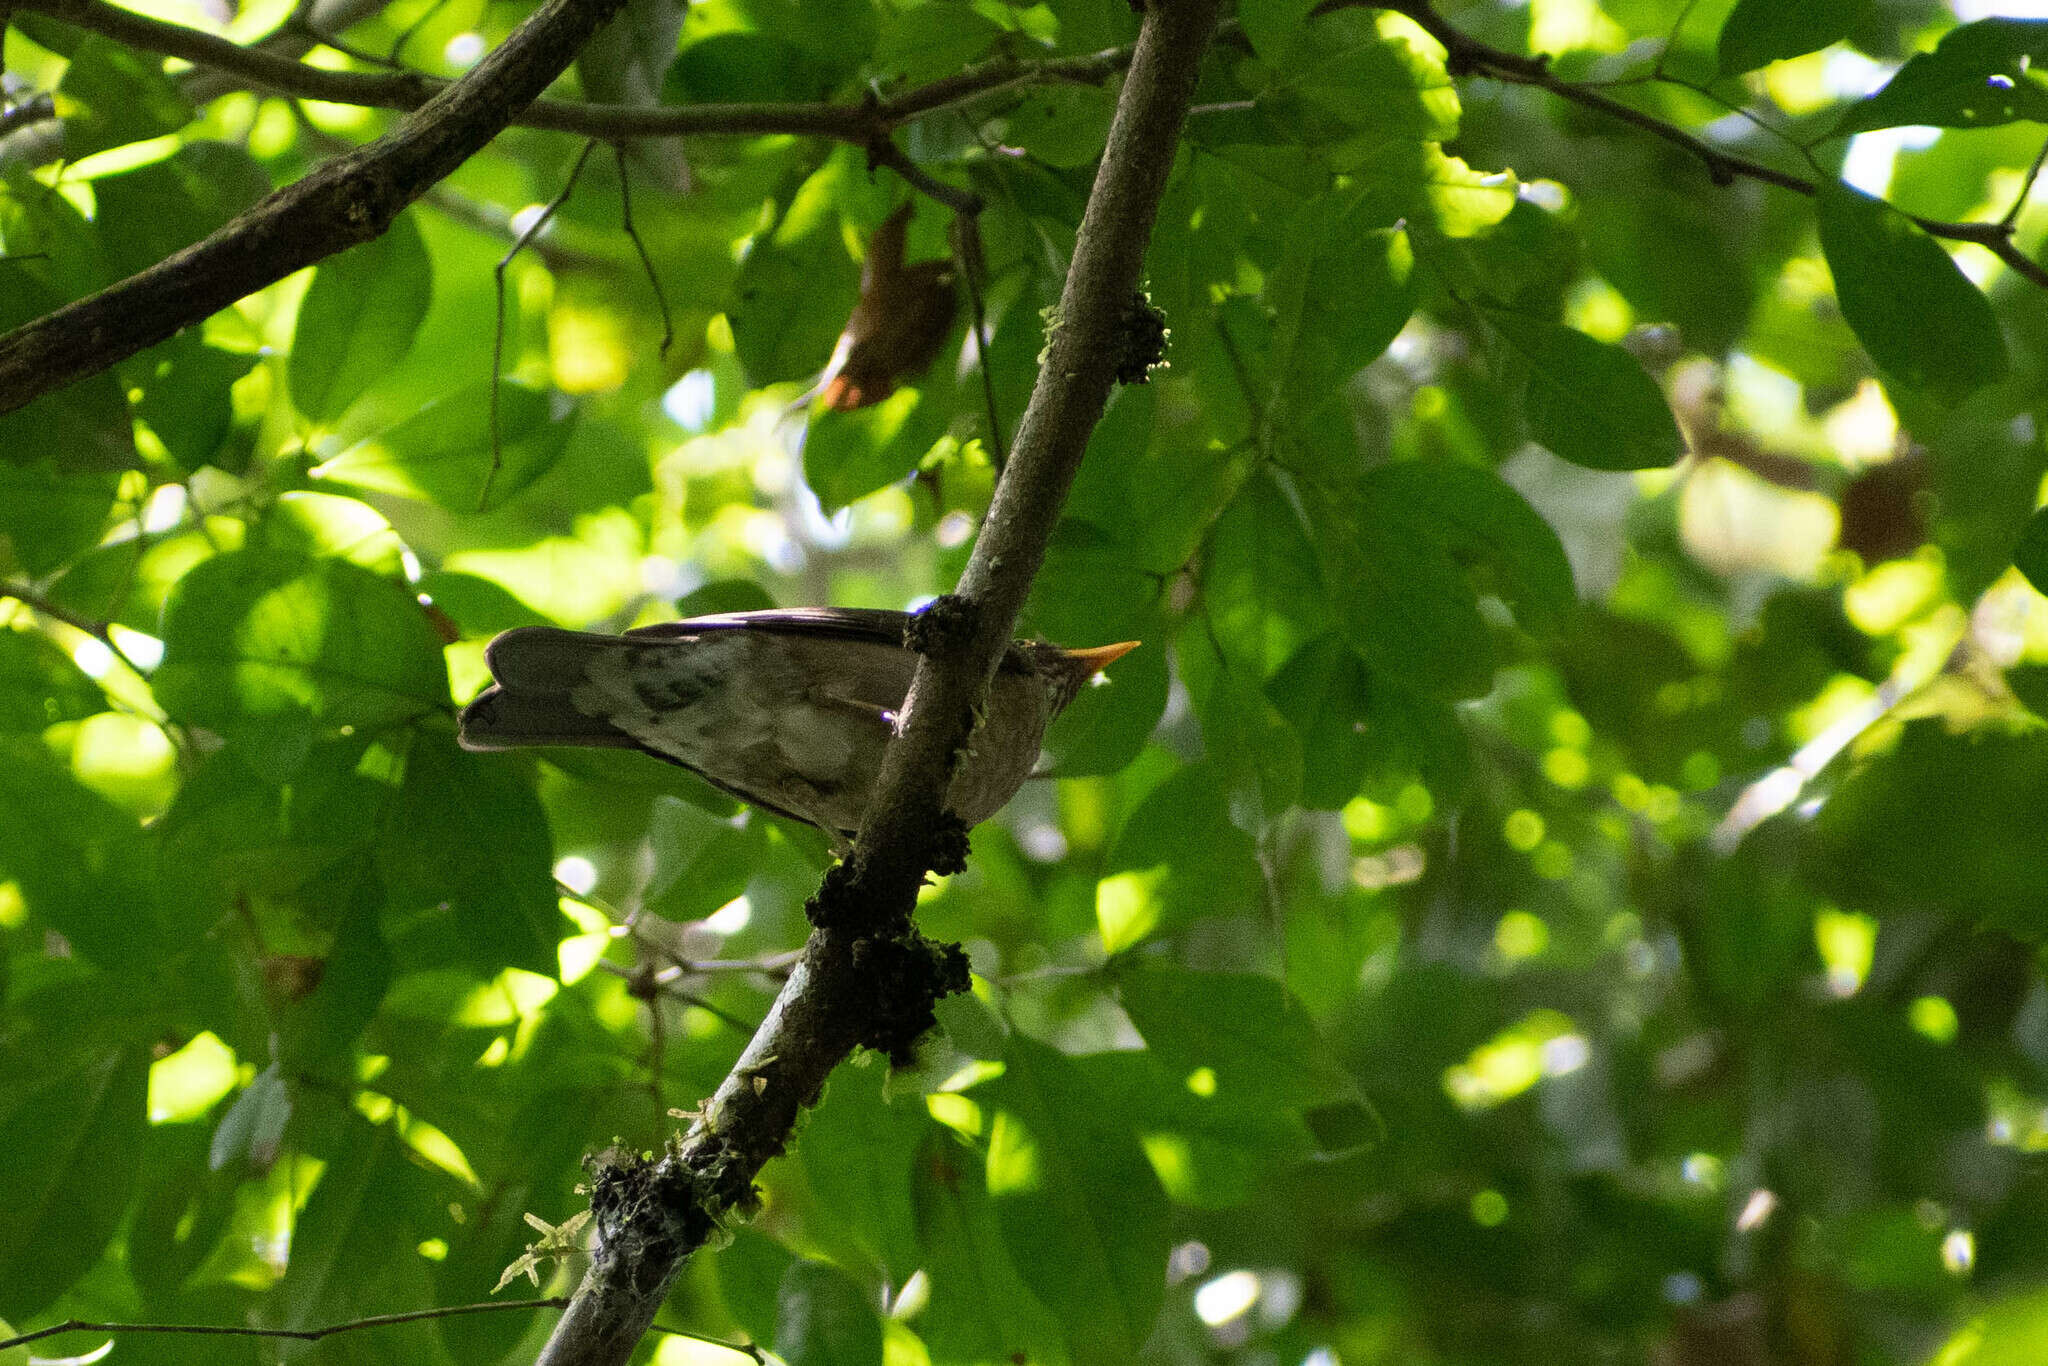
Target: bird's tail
{"x":537,"y":668}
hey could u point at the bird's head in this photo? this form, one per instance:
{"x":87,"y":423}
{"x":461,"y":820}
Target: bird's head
{"x":1064,"y":671}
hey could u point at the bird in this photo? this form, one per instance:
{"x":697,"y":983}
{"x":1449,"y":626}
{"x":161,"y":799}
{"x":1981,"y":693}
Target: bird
{"x":788,"y":710}
{"x":898,"y":326}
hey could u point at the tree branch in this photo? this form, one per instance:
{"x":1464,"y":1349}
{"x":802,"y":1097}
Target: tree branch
{"x":1468,"y":55}
{"x":651,"y":1216}
{"x":340,"y":203}
{"x":294,"y":1334}
{"x":848,"y":122}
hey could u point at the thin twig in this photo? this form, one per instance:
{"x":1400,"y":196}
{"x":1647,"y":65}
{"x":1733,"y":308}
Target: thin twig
{"x":295,"y":1334}
{"x":98,"y":630}
{"x":972,"y":264}
{"x":2019,"y":201}
{"x":857,"y":122}
{"x":338,"y":204}
{"x":668,"y":328}
{"x":1469,"y":56}
{"x":483,"y":498}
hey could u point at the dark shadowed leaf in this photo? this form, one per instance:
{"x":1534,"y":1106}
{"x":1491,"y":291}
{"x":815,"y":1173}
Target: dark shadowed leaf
{"x":1758,"y":32}
{"x":84,"y":867}
{"x":1917,"y":314}
{"x":823,"y":1318}
{"x":1942,"y":824}
{"x":68,"y":1157}
{"x":1980,"y":75}
{"x":112,"y":95}
{"x":1079,"y":1207}
{"x":469,"y":833}
{"x":1589,"y":401}
{"x":40,"y":686}
{"x":2030,"y":556}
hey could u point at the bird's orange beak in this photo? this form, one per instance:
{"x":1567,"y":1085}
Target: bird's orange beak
{"x":1094,"y":661}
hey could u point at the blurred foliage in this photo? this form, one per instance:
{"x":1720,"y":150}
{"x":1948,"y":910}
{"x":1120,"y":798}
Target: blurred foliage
{"x":1563,"y":880}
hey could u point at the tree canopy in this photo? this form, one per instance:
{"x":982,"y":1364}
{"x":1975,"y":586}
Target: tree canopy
{"x":1562,"y":879}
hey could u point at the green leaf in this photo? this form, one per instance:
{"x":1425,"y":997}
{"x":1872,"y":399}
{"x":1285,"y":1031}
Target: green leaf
{"x":1324,"y":693}
{"x":701,"y":862}
{"x":1261,"y":589}
{"x":1378,"y":73}
{"x":857,"y":1152}
{"x":182,"y":1212}
{"x":823,"y":1318}
{"x":1480,"y":521}
{"x":1061,"y":125}
{"x":1759,"y":32}
{"x":1978,"y":76}
{"x":469,"y":834}
{"x":1913,"y":309}
{"x":274,"y":650}
{"x":1181,"y":858}
{"x":740,"y":68}
{"x":2007,"y":1332}
{"x":53,"y":511}
{"x":442,"y":454}
{"x":1080,"y":1209}
{"x":980,"y":1308}
{"x":323,"y":526}
{"x":83,"y":865}
{"x":1339,"y":295}
{"x":2030,"y":556}
{"x":237,"y":832}
{"x":1403,"y":546}
{"x":925,"y":42}
{"x":1419,"y":182}
{"x":186,"y":399}
{"x":39,"y":685}
{"x":1257,"y":1046}
{"x":480,"y":607}
{"x":68,"y":1160}
{"x":750,"y":1269}
{"x":358,"y":319}
{"x":112,"y":95}
{"x":1588,"y":401}
{"x":1908,"y":833}
{"x":152,"y":211}
{"x":351,"y":1244}
{"x":1105,"y":727}
{"x":850,"y":455}
{"x":797,"y":286}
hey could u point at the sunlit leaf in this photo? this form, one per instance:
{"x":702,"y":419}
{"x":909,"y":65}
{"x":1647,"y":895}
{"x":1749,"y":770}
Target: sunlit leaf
{"x":358,"y":319}
{"x":443,"y":453}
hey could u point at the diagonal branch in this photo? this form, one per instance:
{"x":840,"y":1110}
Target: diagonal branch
{"x":652,"y":1216}
{"x":857,"y":122}
{"x":343,"y":202}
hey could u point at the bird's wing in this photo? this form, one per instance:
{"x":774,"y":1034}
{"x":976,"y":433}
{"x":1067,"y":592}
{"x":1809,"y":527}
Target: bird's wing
{"x":872,"y":624}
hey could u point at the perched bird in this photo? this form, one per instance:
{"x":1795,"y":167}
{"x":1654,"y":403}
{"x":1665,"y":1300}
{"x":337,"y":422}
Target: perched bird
{"x":897,"y":327}
{"x":789,"y":710}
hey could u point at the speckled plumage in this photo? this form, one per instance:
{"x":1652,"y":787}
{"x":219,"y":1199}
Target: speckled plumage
{"x":789,"y":710}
